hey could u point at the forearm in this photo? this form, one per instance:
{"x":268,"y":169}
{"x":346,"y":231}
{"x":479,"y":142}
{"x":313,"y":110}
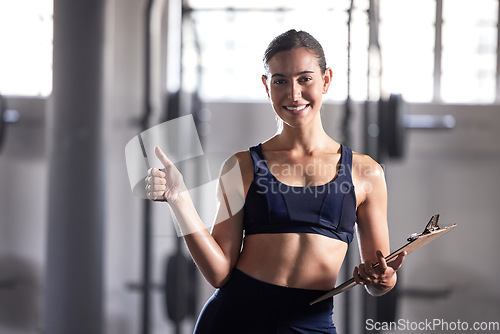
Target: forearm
{"x":204,"y":249}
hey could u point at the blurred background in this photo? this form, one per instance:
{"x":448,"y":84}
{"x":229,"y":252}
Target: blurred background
{"x":416,"y":85}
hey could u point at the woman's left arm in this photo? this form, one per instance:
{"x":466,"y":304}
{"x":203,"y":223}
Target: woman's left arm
{"x":373,"y":233}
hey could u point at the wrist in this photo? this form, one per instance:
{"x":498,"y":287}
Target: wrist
{"x":379,"y":289}
{"x":185,"y":214}
{"x":183,"y":198}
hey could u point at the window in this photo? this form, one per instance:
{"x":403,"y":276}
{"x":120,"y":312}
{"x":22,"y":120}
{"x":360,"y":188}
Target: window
{"x":407,"y":48}
{"x":26,"y":51}
{"x":232,"y":43}
{"x":463,"y":68}
{"x":469,"y":56}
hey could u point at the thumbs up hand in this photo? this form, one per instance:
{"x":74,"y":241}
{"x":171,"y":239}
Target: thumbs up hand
{"x":164,"y":184}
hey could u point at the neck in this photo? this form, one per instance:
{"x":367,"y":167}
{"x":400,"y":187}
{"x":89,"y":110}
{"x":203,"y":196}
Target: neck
{"x":306,"y":139}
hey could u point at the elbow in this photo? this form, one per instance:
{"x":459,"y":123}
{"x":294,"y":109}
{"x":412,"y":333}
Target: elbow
{"x":216,"y":285}
{"x":218,"y":280}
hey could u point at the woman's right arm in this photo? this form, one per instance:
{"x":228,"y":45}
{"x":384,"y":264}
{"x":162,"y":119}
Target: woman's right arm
{"x":214,"y":253}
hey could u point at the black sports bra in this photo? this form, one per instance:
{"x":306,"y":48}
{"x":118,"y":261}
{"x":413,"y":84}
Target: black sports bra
{"x":274,"y":207}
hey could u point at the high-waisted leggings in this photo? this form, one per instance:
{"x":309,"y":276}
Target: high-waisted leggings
{"x":245,"y":305}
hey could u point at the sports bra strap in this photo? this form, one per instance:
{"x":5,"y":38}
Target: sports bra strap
{"x":257,"y":158}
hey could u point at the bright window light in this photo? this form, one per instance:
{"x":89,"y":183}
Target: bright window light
{"x":469,"y":51}
{"x":407,"y":48}
{"x":26,"y":51}
{"x":232,"y":44}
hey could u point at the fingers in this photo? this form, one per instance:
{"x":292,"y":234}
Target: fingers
{"x":156,"y":191}
{"x":370,"y":272}
{"x":164,"y":184}
{"x":355,"y":275}
{"x":361,"y":276}
{"x":365,"y":273}
{"x":155,"y":172}
{"x":156,"y":187}
{"x":155,"y":184}
{"x":382,"y":264}
{"x":396,"y":263}
{"x":162,"y":157}
{"x":155,"y":177}
{"x":156,"y":195}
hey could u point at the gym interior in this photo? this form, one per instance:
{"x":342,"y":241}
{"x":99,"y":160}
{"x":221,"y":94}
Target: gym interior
{"x":416,"y":85}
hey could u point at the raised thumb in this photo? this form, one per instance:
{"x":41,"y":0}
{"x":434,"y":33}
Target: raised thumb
{"x":162,"y":157}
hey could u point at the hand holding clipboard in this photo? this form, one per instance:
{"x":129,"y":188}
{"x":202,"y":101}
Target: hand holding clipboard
{"x":415,"y":241}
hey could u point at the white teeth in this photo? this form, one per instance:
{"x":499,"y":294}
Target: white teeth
{"x":296,"y":108}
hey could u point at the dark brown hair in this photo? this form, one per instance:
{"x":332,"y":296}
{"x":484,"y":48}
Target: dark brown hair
{"x":293,"y":39}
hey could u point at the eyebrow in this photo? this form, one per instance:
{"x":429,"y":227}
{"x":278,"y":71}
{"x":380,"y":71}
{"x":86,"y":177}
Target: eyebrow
{"x":296,"y":74}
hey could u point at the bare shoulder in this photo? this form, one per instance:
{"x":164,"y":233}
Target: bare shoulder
{"x":368,"y":178}
{"x":239,"y":168}
{"x":241,"y":159}
{"x":364,"y":167}
{"x":244,"y":161}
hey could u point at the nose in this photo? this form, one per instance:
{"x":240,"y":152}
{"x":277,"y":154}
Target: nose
{"x":295,"y":92}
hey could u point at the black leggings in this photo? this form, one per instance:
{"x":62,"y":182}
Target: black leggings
{"x":245,"y":305}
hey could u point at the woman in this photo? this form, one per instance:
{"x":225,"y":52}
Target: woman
{"x":302,"y":194}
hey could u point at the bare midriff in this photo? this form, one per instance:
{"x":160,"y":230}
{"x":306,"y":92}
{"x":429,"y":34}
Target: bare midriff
{"x":297,"y":260}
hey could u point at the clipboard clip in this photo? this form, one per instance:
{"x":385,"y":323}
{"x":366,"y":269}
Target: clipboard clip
{"x":431,"y":226}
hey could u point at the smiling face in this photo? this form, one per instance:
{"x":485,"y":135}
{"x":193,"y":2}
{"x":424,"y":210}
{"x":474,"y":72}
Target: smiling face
{"x":295,"y":84}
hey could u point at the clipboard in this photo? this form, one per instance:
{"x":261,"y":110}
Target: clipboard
{"x":415,"y":241}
